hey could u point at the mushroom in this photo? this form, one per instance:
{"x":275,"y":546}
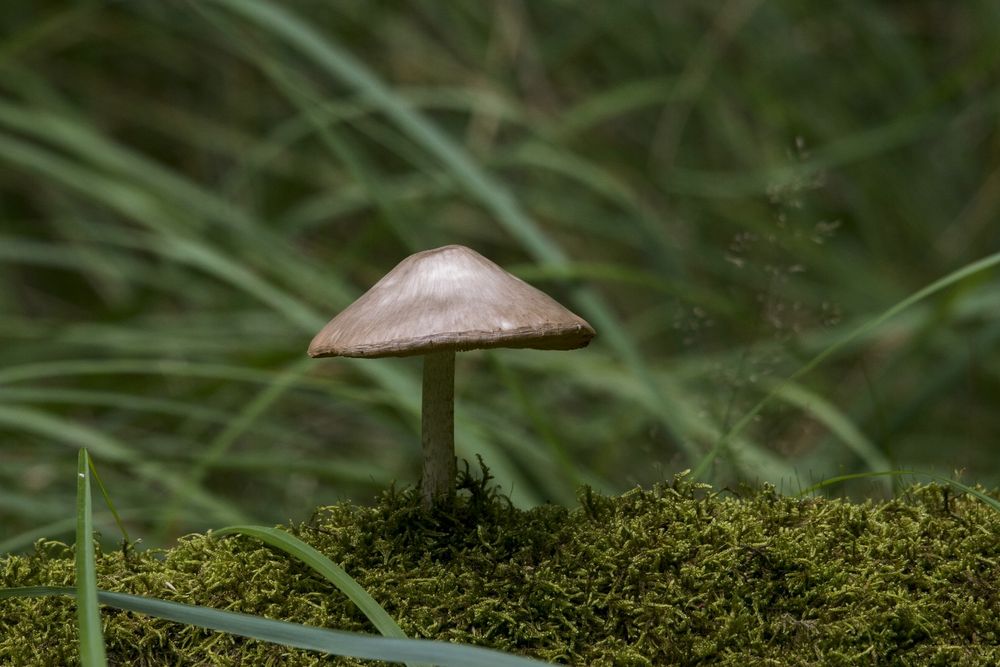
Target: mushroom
{"x":435,"y":303}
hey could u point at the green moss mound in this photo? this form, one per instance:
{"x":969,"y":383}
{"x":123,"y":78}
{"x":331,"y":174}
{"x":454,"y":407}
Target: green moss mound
{"x":671,"y":575}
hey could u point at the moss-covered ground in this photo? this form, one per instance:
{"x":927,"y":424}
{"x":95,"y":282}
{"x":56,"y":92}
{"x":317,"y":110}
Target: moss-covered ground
{"x":671,"y":575}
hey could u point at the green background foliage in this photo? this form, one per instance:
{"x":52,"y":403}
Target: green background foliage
{"x":188,"y":191}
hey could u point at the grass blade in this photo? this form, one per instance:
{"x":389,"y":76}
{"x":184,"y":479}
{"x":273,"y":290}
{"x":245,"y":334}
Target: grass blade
{"x":88,"y":615}
{"x":336,"y":642}
{"x":966,"y":271}
{"x":326,"y":568}
{"x":836,"y":421}
{"x":989,"y":500}
{"x":107,"y":500}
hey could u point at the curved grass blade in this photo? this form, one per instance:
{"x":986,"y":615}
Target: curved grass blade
{"x":88,"y":615}
{"x":989,"y":500}
{"x":336,"y":642}
{"x":107,"y":499}
{"x":836,"y":421}
{"x":329,"y":570}
{"x":983,"y":264}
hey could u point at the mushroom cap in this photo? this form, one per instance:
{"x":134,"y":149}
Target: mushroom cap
{"x":449,"y":298}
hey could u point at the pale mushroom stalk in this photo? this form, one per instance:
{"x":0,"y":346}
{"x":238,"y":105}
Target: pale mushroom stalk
{"x":435,"y":303}
{"x":438,"y":428}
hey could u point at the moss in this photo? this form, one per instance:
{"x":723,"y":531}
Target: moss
{"x":671,"y":575}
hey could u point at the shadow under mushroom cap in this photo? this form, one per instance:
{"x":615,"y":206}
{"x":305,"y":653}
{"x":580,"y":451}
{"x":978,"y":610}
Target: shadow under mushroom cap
{"x":449,"y":298}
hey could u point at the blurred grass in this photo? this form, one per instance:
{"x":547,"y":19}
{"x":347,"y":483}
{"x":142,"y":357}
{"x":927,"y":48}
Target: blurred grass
{"x":189,"y":190}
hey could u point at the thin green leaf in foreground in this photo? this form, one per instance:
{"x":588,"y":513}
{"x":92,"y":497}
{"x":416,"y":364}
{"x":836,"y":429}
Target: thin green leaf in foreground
{"x":336,"y":642}
{"x":989,"y":500}
{"x":326,"y":568}
{"x":88,"y":615}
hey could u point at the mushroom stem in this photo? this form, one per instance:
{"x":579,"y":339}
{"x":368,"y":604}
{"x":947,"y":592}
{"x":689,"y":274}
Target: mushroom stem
{"x":438,"y":427}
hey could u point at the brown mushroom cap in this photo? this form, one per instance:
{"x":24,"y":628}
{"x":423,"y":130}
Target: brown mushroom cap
{"x":449,"y":298}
